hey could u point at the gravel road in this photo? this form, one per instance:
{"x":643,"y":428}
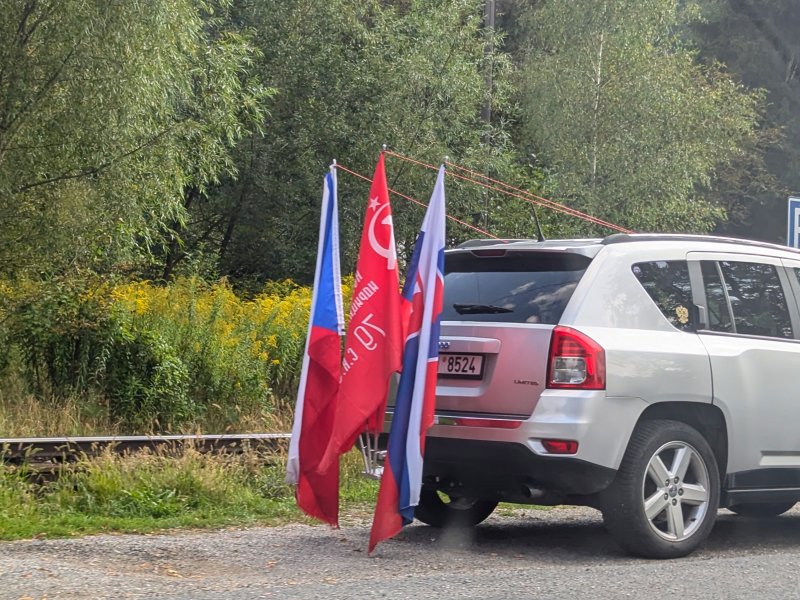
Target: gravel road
{"x":550,"y":554}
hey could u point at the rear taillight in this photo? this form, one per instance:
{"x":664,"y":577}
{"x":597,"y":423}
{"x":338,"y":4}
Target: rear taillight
{"x":575,"y":361}
{"x":560,"y":446}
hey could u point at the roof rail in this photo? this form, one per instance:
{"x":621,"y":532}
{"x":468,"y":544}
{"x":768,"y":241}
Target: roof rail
{"x":624,"y":238}
{"x":528,"y":243}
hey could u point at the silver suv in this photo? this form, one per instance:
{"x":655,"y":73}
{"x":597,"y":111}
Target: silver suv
{"x":649,"y":376}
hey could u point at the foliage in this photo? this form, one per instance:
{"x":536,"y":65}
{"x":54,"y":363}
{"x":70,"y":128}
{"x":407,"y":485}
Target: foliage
{"x":108,"y":113}
{"x":632,"y":125}
{"x":161,"y":357}
{"x":351,"y":76}
{"x":71,"y":343}
{"x":119,"y":128}
{"x":241,"y":354}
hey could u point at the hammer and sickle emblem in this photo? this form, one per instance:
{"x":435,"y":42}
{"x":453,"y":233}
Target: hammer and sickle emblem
{"x":388,"y":253}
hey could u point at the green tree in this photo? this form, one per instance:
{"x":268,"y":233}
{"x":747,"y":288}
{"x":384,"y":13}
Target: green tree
{"x":632,"y":126}
{"x":110,"y":113}
{"x":351,"y":76}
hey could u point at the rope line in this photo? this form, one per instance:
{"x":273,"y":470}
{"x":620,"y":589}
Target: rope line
{"x":556,"y":207}
{"x":545,"y":201}
{"x":520,"y":193}
{"x":415,"y":201}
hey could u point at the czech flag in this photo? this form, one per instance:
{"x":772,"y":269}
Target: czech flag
{"x":318,"y":493}
{"x":416,"y":394}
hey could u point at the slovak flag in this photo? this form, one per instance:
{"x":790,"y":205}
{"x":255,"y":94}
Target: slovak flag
{"x":373,"y":345}
{"x":416,"y":394}
{"x":318,"y":493}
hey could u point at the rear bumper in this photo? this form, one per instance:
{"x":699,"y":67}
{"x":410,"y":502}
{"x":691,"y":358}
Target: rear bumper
{"x":508,"y":471}
{"x":602,"y":426}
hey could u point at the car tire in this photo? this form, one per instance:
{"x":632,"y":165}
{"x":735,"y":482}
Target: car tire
{"x":670,"y":517}
{"x":433,"y":510}
{"x":761,"y":510}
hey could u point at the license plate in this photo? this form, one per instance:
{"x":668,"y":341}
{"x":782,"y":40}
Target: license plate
{"x":461,"y":366}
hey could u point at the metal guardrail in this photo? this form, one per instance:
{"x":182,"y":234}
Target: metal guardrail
{"x":68,"y":449}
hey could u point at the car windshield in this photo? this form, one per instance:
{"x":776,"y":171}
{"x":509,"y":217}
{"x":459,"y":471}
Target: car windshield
{"x":518,"y":287}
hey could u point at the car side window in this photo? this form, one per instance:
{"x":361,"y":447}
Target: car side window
{"x":757,"y":299}
{"x":719,"y":315}
{"x":667,"y":283}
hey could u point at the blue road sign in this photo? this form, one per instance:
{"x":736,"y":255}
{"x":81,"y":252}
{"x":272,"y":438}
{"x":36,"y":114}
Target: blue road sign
{"x":793,"y":234}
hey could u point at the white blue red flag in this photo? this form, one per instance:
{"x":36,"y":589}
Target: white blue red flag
{"x":317,"y":494}
{"x":374,"y":342}
{"x":416,"y":393}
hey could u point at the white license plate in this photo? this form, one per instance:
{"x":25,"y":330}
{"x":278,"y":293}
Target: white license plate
{"x":461,"y":366}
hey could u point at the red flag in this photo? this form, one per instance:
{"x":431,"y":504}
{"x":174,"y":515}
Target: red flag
{"x":373,"y":345}
{"x":318,"y":493}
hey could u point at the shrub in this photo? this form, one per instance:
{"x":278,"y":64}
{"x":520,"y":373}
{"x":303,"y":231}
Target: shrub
{"x":162,"y":357}
{"x":73,"y":342}
{"x":242,"y":356}
{"x":146,"y":382}
{"x":60,"y":329}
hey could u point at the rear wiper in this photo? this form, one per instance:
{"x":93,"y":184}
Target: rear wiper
{"x":476,"y":309}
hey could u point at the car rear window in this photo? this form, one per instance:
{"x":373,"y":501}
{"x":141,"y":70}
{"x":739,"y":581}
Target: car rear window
{"x":518,"y":287}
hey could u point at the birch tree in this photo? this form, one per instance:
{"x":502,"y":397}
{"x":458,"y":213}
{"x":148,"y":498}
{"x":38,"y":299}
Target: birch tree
{"x":632,"y":126}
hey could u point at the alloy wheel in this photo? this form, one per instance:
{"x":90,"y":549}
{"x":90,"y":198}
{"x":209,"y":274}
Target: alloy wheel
{"x":675,"y":491}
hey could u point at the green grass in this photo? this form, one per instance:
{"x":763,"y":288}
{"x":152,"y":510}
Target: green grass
{"x":148,"y":492}
{"x":171,"y":489}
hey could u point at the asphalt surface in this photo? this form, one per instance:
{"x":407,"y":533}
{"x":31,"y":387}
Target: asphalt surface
{"x":559,"y":553}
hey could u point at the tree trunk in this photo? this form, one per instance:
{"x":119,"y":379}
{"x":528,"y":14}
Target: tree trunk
{"x":598,"y":82}
{"x":174,"y":253}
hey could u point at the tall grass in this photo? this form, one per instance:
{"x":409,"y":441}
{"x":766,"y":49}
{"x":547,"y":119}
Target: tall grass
{"x":23,"y":414}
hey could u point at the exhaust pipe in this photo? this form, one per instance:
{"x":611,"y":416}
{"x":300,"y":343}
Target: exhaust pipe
{"x":532,"y":493}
